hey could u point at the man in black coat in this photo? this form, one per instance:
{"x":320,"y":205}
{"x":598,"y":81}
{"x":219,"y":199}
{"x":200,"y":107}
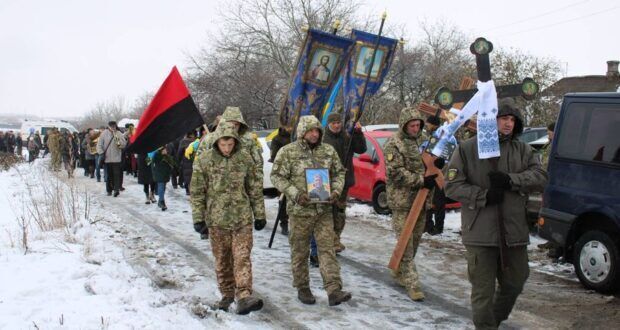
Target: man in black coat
{"x":336,"y":136}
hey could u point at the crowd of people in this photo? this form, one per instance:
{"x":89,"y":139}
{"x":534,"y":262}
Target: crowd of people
{"x":221,"y":169}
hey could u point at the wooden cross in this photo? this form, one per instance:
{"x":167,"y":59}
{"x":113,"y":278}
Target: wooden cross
{"x":446,"y":99}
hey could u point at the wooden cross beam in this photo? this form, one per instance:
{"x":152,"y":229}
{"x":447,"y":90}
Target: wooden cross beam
{"x":434,"y":109}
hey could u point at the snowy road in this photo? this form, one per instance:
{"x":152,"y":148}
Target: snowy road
{"x":163,"y":247}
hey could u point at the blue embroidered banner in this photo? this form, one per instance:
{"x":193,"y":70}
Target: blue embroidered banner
{"x":358,"y":67}
{"x":321,"y":61}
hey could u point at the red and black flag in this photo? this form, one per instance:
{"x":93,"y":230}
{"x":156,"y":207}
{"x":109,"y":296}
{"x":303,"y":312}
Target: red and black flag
{"x":171,"y":113}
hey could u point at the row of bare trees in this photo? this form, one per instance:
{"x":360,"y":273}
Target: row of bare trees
{"x":248,"y":63}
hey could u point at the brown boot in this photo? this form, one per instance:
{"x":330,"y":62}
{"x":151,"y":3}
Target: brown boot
{"x":305,"y":296}
{"x":415,"y":294}
{"x":249,"y":304}
{"x":224,"y":303}
{"x":338,"y":296}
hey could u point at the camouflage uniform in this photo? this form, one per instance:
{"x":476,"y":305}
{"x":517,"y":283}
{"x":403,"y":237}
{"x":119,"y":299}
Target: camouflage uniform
{"x":288,"y":176}
{"x":544,"y":157}
{"x":227,"y":195}
{"x":67,"y":151}
{"x":247,"y":139}
{"x":53,"y":143}
{"x":405,"y":176}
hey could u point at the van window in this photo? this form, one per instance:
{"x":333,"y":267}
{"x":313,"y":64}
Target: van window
{"x":590,"y":132}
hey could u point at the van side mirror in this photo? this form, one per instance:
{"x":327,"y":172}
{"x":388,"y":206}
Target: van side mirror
{"x":366,"y":158}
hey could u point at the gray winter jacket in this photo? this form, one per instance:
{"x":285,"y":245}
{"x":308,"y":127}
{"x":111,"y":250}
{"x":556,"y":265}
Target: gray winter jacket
{"x":114,"y":152}
{"x":468,"y":183}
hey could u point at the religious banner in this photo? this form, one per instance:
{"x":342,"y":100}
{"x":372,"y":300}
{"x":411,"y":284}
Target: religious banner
{"x":356,"y":72}
{"x":321,"y":60}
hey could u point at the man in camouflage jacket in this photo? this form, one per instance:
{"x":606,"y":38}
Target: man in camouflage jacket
{"x":247,"y":139}
{"x":289,"y":176}
{"x":405,"y":176}
{"x":226,"y":195}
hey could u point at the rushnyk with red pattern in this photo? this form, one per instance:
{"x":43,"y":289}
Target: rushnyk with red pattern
{"x":171,"y":113}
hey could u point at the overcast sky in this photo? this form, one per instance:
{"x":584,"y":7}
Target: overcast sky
{"x":59,"y":58}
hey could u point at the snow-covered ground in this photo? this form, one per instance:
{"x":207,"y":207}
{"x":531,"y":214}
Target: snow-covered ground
{"x":89,"y":261}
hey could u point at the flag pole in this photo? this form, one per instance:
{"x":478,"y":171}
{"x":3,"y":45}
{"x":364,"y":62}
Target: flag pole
{"x":361,"y":106}
{"x":372,"y":64}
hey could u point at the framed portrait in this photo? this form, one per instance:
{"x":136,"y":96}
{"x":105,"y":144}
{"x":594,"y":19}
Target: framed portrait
{"x":318,"y":186}
{"x":364,"y":56}
{"x":322,"y":66}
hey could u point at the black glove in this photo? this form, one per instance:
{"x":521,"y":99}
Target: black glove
{"x":429,"y":181}
{"x":439,"y":163}
{"x":259,"y":224}
{"x":500,"y":180}
{"x":495,"y":196}
{"x":201,"y":227}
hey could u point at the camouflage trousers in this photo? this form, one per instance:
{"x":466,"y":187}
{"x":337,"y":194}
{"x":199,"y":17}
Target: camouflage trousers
{"x":56,"y":161}
{"x":301,"y":228}
{"x":233,"y":265}
{"x":407,"y":273}
{"x":340,"y":214}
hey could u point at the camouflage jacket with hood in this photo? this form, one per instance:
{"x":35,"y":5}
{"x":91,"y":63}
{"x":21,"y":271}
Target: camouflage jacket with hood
{"x":288,"y":172}
{"x":403,"y":163}
{"x":247,"y":139}
{"x":225,"y":191}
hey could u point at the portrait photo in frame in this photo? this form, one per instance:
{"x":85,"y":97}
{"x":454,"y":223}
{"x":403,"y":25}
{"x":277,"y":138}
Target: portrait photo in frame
{"x":318,"y":185}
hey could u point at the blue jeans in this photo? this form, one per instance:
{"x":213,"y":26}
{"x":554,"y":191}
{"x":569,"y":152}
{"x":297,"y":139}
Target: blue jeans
{"x":97,"y":167}
{"x":161,"y":191}
{"x":313,"y":249}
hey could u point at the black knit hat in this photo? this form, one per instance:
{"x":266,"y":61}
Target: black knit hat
{"x":507,"y":107}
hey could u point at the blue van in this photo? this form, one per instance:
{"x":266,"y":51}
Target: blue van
{"x":581,"y":203}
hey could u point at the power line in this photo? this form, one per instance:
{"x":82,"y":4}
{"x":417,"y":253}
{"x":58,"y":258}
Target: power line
{"x":537,"y":16}
{"x":561,"y":22}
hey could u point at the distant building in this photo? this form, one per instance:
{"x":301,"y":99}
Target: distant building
{"x":593,"y":83}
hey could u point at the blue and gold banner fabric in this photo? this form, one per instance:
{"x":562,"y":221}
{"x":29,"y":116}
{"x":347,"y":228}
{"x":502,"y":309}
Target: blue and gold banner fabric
{"x":359,"y":65}
{"x":321,"y":62}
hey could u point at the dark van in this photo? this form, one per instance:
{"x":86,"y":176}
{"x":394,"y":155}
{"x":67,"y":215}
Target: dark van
{"x":581,"y":203}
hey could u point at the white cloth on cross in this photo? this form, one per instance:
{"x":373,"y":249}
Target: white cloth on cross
{"x":488,"y":138}
{"x":484,"y":102}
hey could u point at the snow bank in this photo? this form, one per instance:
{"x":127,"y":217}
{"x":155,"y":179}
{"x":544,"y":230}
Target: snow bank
{"x":71,"y":276}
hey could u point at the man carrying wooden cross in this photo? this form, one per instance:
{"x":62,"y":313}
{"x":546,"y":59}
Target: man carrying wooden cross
{"x":485,"y":190}
{"x":405,"y":176}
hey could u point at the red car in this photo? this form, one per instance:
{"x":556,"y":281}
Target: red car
{"x":370,"y":178}
{"x":369,"y":170}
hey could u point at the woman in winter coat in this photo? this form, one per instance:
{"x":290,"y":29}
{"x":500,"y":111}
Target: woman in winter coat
{"x":145,"y":178}
{"x":162,"y":165}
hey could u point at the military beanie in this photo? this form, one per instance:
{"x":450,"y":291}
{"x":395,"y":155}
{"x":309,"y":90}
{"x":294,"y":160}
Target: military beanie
{"x":333,"y":117}
{"x":509,"y":107}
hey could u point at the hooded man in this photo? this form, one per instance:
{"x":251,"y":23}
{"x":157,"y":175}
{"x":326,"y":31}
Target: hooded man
{"x":336,"y":136}
{"x":53,"y":145}
{"x":226,"y":196}
{"x":484,"y":190}
{"x":247,"y":139}
{"x":405,"y":176}
{"x":289,"y":176}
